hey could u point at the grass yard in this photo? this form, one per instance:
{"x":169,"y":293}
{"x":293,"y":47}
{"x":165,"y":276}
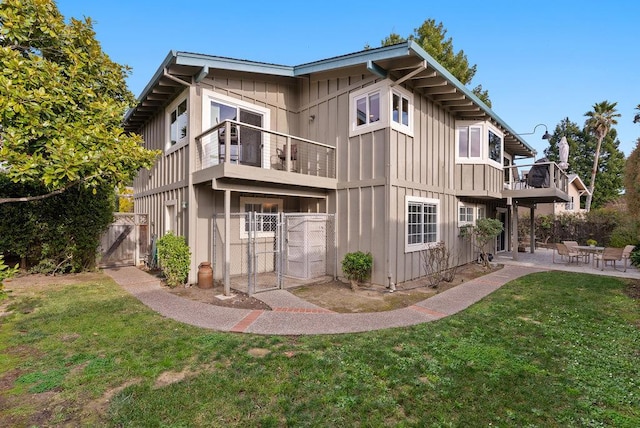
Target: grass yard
{"x":551,"y":349}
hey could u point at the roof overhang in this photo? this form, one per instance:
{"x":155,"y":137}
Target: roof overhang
{"x":405,"y":63}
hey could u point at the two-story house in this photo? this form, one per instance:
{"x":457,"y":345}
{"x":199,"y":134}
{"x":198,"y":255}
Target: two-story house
{"x":282,"y":170}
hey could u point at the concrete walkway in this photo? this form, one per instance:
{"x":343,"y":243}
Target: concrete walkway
{"x":291,"y":315}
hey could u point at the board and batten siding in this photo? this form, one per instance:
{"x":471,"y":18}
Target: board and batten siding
{"x":166,"y":181}
{"x":277,"y":94}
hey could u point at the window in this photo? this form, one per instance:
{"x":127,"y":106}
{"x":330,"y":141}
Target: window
{"x":378,"y":106}
{"x":479,"y":142}
{"x":400,"y":109}
{"x":368,"y":109}
{"x":266,"y":216}
{"x":495,"y":147}
{"x":422,"y":223}
{"x":248,"y":146}
{"x":178,"y":122}
{"x":468,"y":214}
{"x":465,"y":214}
{"x":469,"y":141}
{"x":482,"y":212}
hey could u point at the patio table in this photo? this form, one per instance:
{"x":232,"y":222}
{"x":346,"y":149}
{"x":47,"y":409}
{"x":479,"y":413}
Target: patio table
{"x":591,"y":251}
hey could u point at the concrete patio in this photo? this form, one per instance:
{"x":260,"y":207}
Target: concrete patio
{"x":543,"y":258}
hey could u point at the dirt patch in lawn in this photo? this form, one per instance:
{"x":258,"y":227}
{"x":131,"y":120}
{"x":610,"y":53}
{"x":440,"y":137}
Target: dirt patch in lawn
{"x":339,"y":297}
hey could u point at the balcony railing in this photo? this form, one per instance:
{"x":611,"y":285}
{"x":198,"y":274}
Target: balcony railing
{"x":255,"y":146}
{"x":539,"y":175}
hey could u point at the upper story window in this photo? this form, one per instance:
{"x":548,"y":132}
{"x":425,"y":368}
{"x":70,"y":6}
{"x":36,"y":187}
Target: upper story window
{"x":478,"y":143}
{"x":378,"y":106}
{"x":422,"y":227}
{"x":178,"y":124}
{"x":495,"y":146}
{"x":368,"y":109}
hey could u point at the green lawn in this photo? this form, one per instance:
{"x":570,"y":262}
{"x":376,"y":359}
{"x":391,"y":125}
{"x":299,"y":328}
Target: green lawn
{"x":550,"y":349}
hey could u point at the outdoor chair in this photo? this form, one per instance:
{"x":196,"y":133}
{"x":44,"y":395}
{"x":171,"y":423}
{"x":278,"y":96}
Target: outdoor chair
{"x":571,"y":254}
{"x":570,"y":244}
{"x":610,"y":255}
{"x":626,"y":255}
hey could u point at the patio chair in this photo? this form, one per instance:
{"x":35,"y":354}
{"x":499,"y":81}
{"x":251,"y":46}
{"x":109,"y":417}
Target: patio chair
{"x":571,"y":254}
{"x":610,"y":255}
{"x":570,"y":244}
{"x":626,"y":255}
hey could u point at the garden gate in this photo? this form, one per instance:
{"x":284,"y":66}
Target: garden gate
{"x":125,"y":241}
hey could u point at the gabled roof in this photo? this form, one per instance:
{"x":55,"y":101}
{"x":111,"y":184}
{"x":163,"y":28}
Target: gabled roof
{"x":577,"y":181}
{"x":404,"y":63}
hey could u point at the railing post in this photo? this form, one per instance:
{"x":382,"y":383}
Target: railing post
{"x":227,"y":144}
{"x":287,"y":155}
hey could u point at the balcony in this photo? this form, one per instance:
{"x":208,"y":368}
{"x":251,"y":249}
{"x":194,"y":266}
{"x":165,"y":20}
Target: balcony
{"x":540,"y":182}
{"x":262,"y":155}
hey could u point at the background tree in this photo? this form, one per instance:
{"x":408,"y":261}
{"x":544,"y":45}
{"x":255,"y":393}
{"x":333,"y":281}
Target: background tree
{"x":636,"y":118}
{"x":432,"y":38}
{"x":62,"y":101}
{"x":599,"y":122}
{"x":582,"y":147}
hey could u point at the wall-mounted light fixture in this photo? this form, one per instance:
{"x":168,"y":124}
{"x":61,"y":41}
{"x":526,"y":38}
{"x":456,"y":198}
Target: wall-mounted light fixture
{"x":185,"y":204}
{"x":312,"y":117}
{"x":546,"y":135}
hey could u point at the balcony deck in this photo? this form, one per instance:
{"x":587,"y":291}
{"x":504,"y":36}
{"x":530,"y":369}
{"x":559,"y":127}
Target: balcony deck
{"x":260,"y":155}
{"x":540,"y":182}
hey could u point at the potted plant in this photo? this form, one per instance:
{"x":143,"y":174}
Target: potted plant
{"x":592,"y":242}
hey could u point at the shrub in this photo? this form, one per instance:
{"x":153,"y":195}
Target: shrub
{"x":174,"y":258}
{"x":480,"y":234}
{"x":6,"y":272}
{"x":357,"y":266}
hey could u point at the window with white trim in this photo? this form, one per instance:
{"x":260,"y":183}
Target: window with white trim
{"x":422,"y":230}
{"x":469,"y":142}
{"x":479,"y":142}
{"x":266,"y":216}
{"x":367,"y":108}
{"x":378,"y":106}
{"x":468,"y":213}
{"x":178,"y":124}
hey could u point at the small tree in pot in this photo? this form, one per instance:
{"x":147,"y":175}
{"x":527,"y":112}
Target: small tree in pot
{"x":481,"y":234}
{"x":357,"y":267}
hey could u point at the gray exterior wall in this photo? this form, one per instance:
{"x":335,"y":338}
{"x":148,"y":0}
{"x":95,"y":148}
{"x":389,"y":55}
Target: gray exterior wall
{"x":376,"y":171}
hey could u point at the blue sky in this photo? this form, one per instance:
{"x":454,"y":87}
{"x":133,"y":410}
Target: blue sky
{"x":541,"y":61}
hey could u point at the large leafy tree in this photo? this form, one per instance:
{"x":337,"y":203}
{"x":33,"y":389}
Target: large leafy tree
{"x":432,"y":37}
{"x":582,"y":147}
{"x":62,"y":101}
{"x":599,"y":122}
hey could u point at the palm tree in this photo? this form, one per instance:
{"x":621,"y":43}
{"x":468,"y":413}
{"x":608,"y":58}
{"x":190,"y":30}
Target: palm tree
{"x":636,"y":118}
{"x":599,"y":122}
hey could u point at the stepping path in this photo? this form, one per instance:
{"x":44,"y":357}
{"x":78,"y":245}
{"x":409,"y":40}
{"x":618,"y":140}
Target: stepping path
{"x":291,"y":315}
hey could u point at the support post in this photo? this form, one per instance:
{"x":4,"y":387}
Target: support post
{"x":532,"y":227}
{"x":227,"y":242}
{"x":514,"y":231}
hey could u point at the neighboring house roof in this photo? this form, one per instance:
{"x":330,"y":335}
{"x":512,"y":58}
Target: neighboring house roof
{"x":578,"y":183}
{"x":404,"y":62}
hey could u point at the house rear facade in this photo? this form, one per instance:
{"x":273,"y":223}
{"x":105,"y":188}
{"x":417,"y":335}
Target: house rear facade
{"x":385,"y":143}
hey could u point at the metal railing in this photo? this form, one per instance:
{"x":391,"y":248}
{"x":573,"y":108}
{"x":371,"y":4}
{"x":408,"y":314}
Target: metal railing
{"x":255,"y":146}
{"x":539,"y":175}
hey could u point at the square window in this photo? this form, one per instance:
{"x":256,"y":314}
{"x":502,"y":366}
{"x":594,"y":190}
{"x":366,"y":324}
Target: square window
{"x":422,"y":223}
